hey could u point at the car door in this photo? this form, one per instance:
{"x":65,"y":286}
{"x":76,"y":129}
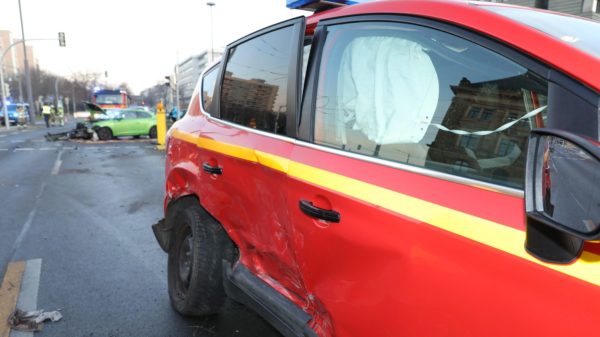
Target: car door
{"x":245,"y":145}
{"x":406,"y":190}
{"x":126,"y":124}
{"x":144,"y":122}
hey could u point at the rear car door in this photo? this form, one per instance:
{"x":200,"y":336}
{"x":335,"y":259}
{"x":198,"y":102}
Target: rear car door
{"x":406,"y":189}
{"x":245,"y":145}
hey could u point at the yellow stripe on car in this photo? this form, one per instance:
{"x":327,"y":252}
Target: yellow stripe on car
{"x":498,"y":236}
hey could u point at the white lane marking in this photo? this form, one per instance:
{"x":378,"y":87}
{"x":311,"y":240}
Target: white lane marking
{"x":69,"y":148}
{"x":17,"y":141}
{"x":27,"y":224}
{"x":57,"y":163}
{"x":3,"y":149}
{"x":1,"y":136}
{"x":47,"y":148}
{"x":28,"y":296}
{"x":24,"y":149}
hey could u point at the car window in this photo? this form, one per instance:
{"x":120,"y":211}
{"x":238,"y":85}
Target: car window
{"x":208,"y":87}
{"x":254,"y":89}
{"x":129,"y":115}
{"x":142,"y":114}
{"x":422,"y":97}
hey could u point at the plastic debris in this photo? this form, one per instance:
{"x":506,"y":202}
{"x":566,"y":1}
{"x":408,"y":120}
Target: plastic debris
{"x":32,"y":320}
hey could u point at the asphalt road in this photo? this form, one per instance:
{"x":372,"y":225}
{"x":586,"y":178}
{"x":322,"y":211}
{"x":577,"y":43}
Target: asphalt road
{"x":79,"y":215}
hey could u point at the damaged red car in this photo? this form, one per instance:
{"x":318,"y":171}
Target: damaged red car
{"x":394,"y":168}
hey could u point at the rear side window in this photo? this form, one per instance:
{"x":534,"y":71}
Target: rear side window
{"x":425,"y":98}
{"x":208,"y":87}
{"x":254,"y":89}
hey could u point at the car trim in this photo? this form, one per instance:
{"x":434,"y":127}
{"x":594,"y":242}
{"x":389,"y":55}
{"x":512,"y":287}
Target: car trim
{"x":475,"y":228}
{"x":245,"y":287}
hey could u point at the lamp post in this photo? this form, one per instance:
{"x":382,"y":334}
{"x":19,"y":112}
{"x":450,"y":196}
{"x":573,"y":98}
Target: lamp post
{"x":210,"y":4}
{"x":27,"y":72}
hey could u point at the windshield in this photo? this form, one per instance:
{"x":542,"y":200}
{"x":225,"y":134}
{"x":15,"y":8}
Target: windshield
{"x":579,"y":32}
{"x":109,"y":99}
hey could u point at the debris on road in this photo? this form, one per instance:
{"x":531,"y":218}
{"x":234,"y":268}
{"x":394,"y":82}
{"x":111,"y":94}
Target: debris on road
{"x":81,"y":131}
{"x":32,"y":320}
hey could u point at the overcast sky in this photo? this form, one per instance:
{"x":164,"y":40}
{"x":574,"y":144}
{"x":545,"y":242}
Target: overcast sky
{"x":136,"y":41}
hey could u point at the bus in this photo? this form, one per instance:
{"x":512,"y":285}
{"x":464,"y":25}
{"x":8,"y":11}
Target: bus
{"x":111,"y":99}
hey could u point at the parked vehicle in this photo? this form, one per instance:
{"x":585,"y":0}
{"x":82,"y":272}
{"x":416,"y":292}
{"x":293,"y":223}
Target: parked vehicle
{"x":17,"y":113}
{"x":394,"y":168}
{"x":129,"y":122}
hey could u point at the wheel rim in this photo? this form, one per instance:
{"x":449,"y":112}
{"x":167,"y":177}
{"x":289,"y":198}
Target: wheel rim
{"x":186,"y":260}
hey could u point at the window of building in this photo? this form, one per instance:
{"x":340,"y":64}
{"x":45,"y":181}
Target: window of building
{"x":208,"y":87}
{"x":421,"y":97}
{"x":254,"y":89}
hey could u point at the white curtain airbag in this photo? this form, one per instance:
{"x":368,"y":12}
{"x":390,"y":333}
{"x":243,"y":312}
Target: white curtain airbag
{"x":386,"y":87}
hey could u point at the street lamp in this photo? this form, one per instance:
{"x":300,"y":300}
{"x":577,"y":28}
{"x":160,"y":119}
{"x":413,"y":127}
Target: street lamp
{"x":27,"y":72}
{"x":212,"y":50}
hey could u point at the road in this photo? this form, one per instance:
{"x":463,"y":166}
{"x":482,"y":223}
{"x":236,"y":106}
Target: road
{"x":78,"y":215}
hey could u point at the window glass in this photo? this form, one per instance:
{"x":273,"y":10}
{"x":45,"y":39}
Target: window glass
{"x":208,"y":87}
{"x":129,"y":115}
{"x":142,"y":114}
{"x":422,"y":97}
{"x":254,"y":89}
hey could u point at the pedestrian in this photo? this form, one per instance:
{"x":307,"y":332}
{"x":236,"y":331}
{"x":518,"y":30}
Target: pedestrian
{"x":46,"y":112}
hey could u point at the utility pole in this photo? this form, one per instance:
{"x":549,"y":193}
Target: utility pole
{"x":27,"y":72}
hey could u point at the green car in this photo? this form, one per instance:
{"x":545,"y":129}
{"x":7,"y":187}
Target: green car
{"x":129,"y":122}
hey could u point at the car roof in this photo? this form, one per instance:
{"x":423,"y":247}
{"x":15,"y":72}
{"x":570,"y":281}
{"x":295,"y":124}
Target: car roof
{"x":471,"y":15}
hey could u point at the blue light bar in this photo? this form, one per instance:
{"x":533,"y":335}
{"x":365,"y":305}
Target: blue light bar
{"x":313,"y":5}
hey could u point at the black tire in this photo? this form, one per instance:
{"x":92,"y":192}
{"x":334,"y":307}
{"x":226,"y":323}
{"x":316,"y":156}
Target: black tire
{"x":195,"y":272}
{"x":152,"y":133}
{"x":136,"y":137}
{"x":104,"y":133}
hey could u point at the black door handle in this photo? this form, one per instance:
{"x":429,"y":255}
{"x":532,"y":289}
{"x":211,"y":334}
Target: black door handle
{"x":212,"y":169}
{"x":324,"y":214}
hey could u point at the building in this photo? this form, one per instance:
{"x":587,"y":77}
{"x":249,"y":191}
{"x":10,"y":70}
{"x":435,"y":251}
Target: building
{"x":586,"y":8}
{"x":189,"y":72}
{"x":9,"y":62}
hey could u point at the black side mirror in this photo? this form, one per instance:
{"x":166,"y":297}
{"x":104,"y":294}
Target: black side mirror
{"x":562,"y":194}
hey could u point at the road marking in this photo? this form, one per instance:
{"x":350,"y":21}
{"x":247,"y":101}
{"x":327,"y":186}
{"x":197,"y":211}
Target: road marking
{"x":3,"y":149}
{"x":47,"y":148}
{"x":69,"y":148}
{"x":24,"y":149}
{"x":17,"y":141}
{"x":9,"y":293}
{"x":1,"y":136}
{"x":28,"y":295}
{"x":57,"y":163}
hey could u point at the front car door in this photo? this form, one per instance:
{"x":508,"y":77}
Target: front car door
{"x":406,"y":191}
{"x":248,"y":136}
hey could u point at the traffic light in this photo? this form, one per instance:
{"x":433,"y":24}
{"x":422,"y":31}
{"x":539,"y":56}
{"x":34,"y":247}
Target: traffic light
{"x":168,"y":78}
{"x":61,"y":39}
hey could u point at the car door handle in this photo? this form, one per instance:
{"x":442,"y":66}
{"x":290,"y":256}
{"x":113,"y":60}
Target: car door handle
{"x":212,"y":169}
{"x":324,"y":214}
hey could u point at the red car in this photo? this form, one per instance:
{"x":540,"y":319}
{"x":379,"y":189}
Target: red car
{"x":361,"y":172}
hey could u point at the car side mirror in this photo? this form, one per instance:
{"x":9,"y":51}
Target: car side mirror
{"x":562,"y":194}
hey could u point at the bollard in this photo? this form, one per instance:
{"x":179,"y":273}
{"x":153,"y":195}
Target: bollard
{"x":161,"y":126}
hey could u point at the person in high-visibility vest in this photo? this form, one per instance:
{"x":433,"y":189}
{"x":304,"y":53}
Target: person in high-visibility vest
{"x":46,"y":111}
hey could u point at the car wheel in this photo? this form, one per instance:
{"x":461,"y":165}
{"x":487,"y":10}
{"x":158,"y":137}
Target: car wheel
{"x":104,"y":133}
{"x":152,"y":133}
{"x":195,"y":272}
{"x":136,"y":137}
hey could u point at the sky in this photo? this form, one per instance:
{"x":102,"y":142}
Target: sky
{"x":134,"y":41}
